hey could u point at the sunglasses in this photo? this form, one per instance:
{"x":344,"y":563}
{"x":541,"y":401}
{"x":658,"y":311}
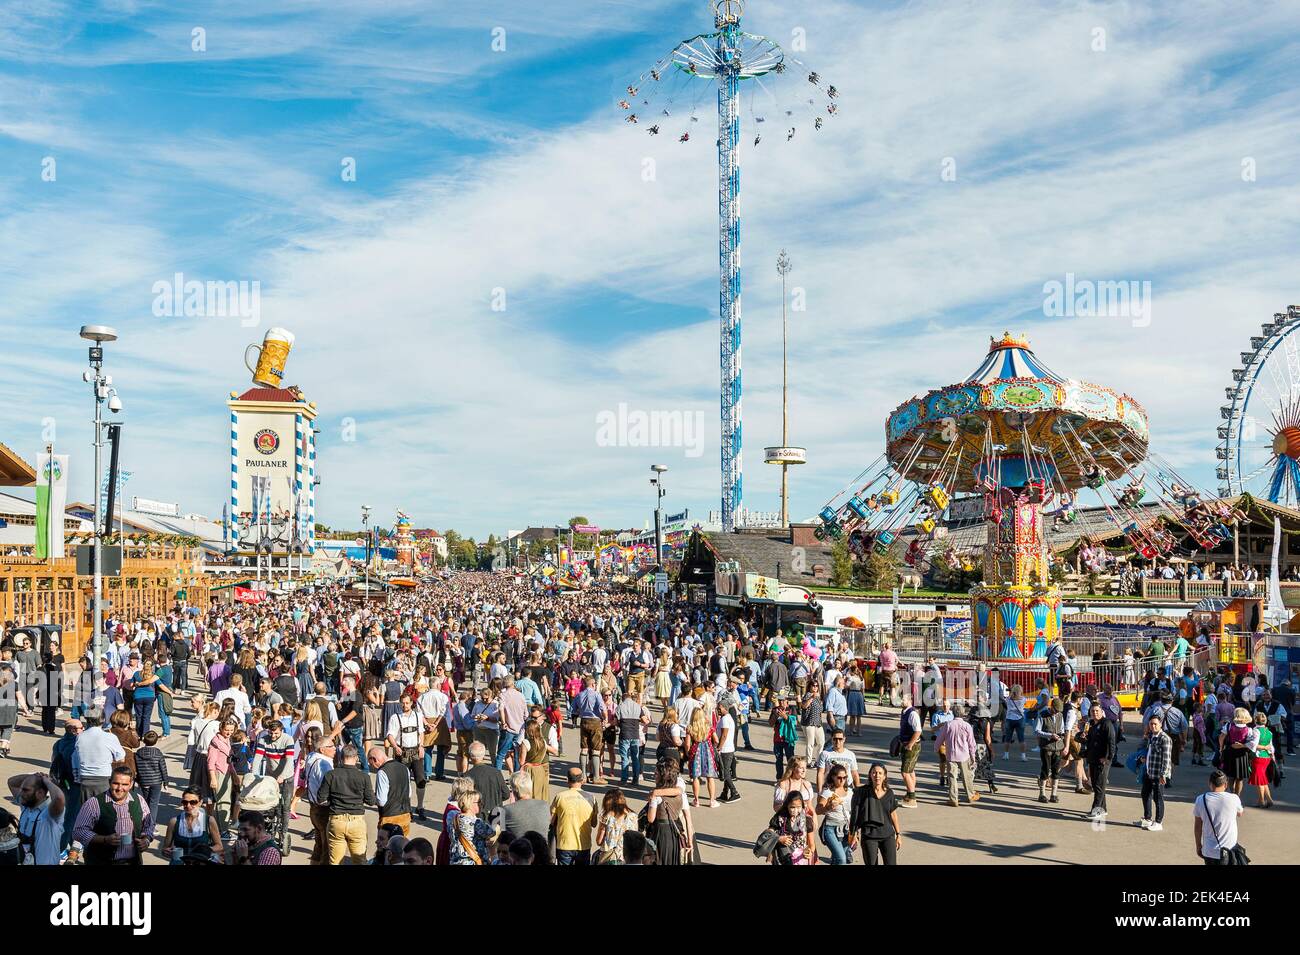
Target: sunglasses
{"x":189,"y":802}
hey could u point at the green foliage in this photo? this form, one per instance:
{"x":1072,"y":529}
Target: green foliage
{"x":841,"y":563}
{"x":879,"y":571}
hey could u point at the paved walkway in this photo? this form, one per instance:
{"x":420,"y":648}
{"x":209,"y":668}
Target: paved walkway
{"x":1009,"y":826}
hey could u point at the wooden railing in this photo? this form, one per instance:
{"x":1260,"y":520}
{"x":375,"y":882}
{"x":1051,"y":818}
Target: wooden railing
{"x":49,"y":591}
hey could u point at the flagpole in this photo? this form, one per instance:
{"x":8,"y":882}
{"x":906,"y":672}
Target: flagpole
{"x":49,"y":499}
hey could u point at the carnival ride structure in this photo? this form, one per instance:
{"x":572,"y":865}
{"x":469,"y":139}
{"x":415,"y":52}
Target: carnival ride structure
{"x":1259,"y":432}
{"x":1027,"y":442}
{"x":670,"y":97}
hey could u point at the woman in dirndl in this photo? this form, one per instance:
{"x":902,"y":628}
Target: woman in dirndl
{"x":1261,"y":767}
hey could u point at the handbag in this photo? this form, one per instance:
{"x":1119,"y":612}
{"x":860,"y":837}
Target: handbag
{"x":895,"y":747}
{"x":766,"y":843}
{"x":1235,"y":856}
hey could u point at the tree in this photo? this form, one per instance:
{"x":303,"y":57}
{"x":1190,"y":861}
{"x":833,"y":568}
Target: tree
{"x":880,"y":570}
{"x":582,"y":541}
{"x":841,"y":563}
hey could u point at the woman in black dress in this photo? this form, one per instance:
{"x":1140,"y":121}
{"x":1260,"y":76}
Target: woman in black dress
{"x":873,"y":818}
{"x":667,"y":818}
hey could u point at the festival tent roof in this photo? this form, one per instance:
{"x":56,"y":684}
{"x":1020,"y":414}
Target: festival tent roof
{"x":14,"y":471}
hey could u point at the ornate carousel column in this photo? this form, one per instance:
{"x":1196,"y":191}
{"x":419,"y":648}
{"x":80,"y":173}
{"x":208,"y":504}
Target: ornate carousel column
{"x":1015,"y":611}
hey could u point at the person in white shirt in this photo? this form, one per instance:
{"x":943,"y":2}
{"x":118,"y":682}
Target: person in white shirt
{"x":40,"y":825}
{"x":433,"y":706}
{"x":236,"y":693}
{"x":1215,"y":816}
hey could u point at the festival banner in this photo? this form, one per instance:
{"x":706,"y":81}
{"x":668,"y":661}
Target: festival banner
{"x":51,"y":504}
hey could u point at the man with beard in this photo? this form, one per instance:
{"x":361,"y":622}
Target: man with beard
{"x":40,"y":826}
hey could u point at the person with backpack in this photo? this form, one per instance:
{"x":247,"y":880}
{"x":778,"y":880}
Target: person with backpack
{"x":1172,"y":720}
{"x":1051,"y":745}
{"x":907,"y":746}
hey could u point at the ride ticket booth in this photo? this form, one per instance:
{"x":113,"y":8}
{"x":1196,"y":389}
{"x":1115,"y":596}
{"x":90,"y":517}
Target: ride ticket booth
{"x":1231,"y":623}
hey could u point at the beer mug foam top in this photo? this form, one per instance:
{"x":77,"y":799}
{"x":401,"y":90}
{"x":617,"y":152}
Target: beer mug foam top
{"x":272,"y":356}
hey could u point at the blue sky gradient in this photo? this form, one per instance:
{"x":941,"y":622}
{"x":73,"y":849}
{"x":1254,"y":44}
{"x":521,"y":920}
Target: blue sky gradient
{"x":480,"y":170}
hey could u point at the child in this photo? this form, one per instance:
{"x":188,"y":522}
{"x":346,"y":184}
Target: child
{"x":572,"y":687}
{"x":151,"y":771}
{"x":556,"y":719}
{"x":1199,"y":735}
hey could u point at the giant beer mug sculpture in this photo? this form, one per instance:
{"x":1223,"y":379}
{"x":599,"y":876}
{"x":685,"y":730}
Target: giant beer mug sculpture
{"x":272,"y":356}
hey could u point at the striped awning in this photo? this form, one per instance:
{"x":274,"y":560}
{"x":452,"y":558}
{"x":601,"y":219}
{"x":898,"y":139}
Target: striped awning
{"x":1010,"y":357}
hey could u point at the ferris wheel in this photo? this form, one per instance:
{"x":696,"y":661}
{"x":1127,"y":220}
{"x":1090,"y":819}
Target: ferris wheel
{"x":1259,"y":437}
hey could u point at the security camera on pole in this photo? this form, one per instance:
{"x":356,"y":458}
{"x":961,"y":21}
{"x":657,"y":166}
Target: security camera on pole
{"x":102,"y":388}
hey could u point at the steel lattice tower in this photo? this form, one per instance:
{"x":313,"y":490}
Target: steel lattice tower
{"x":729,"y":62}
{"x":728,"y":56}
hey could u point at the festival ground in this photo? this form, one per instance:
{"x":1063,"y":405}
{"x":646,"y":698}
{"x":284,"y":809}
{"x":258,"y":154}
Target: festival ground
{"x":1009,"y":826}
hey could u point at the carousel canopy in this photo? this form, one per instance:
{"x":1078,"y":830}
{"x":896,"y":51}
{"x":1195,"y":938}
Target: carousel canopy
{"x":1014,"y":408}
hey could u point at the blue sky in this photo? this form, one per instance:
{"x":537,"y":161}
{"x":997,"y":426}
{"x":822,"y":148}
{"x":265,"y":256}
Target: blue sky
{"x":480,"y":170}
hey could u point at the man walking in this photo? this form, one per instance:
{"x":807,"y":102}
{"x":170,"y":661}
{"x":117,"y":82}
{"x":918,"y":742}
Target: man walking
{"x":115,"y":827}
{"x":93,"y":757}
{"x":346,"y":790}
{"x":573,"y":817}
{"x":631,"y":716}
{"x":956,"y":739}
{"x":1215,"y":816}
{"x":1099,"y":752}
{"x":319,"y":764}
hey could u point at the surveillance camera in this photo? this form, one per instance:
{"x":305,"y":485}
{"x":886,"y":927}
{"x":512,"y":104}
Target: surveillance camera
{"x":114,"y":404}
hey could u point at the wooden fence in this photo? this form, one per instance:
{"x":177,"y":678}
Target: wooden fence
{"x":33,"y":590}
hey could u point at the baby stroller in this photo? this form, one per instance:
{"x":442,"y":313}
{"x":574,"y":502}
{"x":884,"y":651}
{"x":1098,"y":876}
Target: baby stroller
{"x":262,"y":794}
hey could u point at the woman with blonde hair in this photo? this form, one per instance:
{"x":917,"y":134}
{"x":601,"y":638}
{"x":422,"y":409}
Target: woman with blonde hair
{"x":459,"y":787}
{"x":702,"y":756}
{"x":663,"y":678}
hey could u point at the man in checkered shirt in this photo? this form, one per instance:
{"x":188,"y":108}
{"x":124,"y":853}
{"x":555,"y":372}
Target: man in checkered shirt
{"x":1159,"y":761}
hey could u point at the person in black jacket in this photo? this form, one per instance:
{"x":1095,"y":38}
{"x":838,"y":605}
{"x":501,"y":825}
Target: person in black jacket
{"x":1099,"y":753}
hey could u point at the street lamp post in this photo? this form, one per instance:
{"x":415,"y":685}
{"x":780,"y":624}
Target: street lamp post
{"x":365,"y":529}
{"x":783,"y":267}
{"x":103,"y":392}
{"x":658,"y":482}
{"x":785,"y":455}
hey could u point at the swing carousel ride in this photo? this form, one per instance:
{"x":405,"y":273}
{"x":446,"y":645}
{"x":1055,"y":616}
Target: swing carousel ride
{"x":1028,"y":442}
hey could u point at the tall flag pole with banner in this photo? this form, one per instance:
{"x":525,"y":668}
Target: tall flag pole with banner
{"x":51,"y":503}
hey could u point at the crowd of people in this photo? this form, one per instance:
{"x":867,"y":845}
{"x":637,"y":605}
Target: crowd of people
{"x":326,"y":705}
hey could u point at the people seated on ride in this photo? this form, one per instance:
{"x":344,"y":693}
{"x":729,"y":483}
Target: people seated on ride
{"x":1134,"y":493}
{"x":1093,"y":477}
{"x":858,"y":544}
{"x":883,"y":540}
{"x":859,"y":507}
{"x":915,"y":553}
